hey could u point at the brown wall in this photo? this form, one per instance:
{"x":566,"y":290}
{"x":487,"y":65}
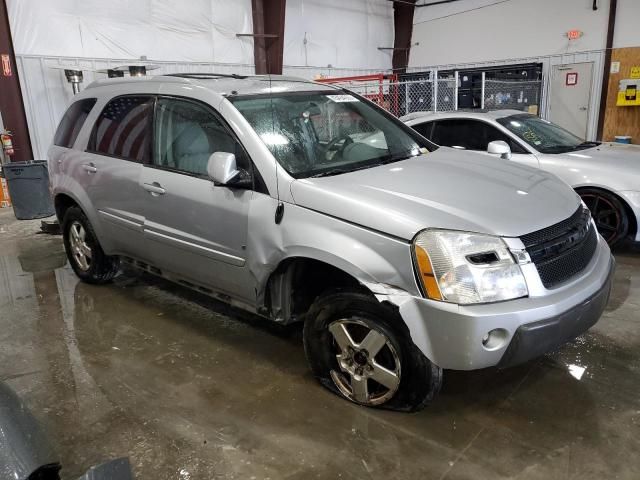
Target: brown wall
{"x":621,"y":120}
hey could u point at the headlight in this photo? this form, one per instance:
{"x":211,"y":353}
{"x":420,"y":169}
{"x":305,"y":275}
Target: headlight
{"x":464,"y":268}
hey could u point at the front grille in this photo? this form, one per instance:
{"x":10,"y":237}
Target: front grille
{"x":563,"y":250}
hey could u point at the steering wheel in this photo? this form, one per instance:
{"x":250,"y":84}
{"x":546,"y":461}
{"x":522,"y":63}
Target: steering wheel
{"x":347,"y":141}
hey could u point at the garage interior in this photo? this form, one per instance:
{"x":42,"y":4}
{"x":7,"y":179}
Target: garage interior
{"x":188,"y":387}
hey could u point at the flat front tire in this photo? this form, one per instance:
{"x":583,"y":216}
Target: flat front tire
{"x":356,"y":348}
{"x":84,"y":252}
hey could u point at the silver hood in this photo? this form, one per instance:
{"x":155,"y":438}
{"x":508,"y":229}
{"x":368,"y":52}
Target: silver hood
{"x":443,"y":189}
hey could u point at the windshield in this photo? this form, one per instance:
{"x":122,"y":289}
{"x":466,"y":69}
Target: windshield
{"x":542,"y":135}
{"x":327,"y":133}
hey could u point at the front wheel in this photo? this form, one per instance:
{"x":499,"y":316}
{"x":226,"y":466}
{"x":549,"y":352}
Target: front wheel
{"x":608,"y":213}
{"x":356,"y":349}
{"x":85,"y":254}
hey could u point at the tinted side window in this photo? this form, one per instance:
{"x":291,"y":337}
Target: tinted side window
{"x":458,"y":133}
{"x":470,"y":134}
{"x":187,"y":133}
{"x":425,"y":129}
{"x":123,"y":128}
{"x":72,"y":122}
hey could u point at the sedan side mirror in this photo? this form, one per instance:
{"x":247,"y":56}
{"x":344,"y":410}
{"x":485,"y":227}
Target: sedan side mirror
{"x":222,"y":168}
{"x":499,"y":147}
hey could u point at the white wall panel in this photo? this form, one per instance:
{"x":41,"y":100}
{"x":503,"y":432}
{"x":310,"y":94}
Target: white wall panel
{"x":627,"y":33}
{"x":482,"y":30}
{"x":340,"y":33}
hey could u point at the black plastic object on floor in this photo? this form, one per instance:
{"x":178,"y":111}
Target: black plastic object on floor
{"x":28,"y":184}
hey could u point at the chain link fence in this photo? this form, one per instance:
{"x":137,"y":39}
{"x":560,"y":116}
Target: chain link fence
{"x":511,"y":94}
{"x":405,"y":97}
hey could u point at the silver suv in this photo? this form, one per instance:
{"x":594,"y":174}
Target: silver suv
{"x":304,"y":202}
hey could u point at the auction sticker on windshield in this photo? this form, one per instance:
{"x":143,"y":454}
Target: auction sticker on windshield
{"x":342,"y":98}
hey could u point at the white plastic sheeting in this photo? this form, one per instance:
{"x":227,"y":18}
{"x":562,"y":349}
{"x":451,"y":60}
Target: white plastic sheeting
{"x":187,"y":30}
{"x":182,"y":36}
{"x":47,"y":94}
{"x":340,"y":33}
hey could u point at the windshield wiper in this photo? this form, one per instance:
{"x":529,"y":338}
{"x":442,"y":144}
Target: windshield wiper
{"x":556,"y":149}
{"x":329,"y":173}
{"x":584,"y":145}
{"x":339,"y":171}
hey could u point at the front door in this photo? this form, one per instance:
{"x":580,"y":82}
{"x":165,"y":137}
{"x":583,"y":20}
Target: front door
{"x":570,"y":97}
{"x":194,"y":228}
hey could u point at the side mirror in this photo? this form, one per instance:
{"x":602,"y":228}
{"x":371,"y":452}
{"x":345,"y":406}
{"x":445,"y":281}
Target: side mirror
{"x":500,"y":147}
{"x":221,"y":168}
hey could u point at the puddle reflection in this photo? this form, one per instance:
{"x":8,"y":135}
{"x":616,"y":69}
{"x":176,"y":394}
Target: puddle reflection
{"x":173,"y":379}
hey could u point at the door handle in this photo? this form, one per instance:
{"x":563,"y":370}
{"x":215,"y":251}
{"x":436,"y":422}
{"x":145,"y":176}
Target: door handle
{"x":154,"y":188}
{"x":583,"y":109}
{"x":89,"y":167}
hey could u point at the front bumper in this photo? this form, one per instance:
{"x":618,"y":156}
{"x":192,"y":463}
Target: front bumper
{"x":451,"y":335}
{"x":537,"y":338}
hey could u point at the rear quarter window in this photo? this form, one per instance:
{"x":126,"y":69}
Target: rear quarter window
{"x":72,"y":122}
{"x":123,"y":129}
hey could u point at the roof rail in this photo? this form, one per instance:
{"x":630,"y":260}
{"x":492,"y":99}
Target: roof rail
{"x":206,"y":76}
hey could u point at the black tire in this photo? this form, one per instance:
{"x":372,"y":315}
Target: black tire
{"x":609,"y":214}
{"x":100,"y":268}
{"x":419,"y":379}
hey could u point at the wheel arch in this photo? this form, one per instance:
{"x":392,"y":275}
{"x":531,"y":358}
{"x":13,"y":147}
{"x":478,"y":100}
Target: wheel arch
{"x":296,"y":282}
{"x":62,"y":202}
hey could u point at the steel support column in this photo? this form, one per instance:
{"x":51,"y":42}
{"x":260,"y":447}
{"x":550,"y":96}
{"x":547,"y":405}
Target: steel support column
{"x":11,"y":104}
{"x":268,"y":35}
{"x":604,"y":92}
{"x":403,"y":29}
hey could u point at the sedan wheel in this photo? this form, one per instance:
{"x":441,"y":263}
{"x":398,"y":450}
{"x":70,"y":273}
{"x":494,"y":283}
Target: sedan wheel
{"x":369,"y":366}
{"x":608,"y":214}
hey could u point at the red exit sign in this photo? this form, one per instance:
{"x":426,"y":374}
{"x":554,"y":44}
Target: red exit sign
{"x":574,"y":34}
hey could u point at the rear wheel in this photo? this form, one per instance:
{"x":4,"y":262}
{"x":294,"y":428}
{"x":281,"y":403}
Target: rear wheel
{"x":86,"y":257}
{"x":355,"y":348}
{"x":609,"y":214}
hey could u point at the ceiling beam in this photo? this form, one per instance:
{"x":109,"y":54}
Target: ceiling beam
{"x":268,"y":35}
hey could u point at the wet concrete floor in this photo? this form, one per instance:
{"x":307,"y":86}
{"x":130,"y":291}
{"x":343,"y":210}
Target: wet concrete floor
{"x":190,"y":389}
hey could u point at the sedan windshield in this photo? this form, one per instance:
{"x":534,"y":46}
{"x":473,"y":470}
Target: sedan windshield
{"x":542,"y":135}
{"x":314,"y":134}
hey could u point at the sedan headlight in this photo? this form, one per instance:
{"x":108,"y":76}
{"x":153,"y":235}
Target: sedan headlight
{"x":465,"y":268}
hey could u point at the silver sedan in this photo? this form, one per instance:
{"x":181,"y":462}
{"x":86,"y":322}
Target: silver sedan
{"x":606,"y":175}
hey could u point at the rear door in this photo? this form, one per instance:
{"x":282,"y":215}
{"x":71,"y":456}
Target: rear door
{"x":66,"y":135}
{"x":119,"y":144}
{"x":194,"y":228}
